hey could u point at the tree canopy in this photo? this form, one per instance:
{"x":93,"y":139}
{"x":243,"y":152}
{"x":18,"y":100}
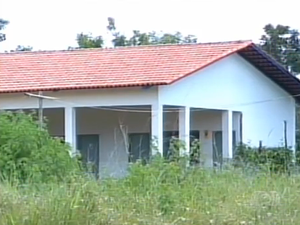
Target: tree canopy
{"x":21,"y":48}
{"x":88,"y":41}
{"x":3,"y":24}
{"x":283,"y":44}
{"x":137,"y":38}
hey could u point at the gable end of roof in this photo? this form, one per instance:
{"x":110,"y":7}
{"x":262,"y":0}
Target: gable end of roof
{"x":272,"y":69}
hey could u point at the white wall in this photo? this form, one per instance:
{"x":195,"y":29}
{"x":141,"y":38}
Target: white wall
{"x":83,"y":98}
{"x":106,"y":123}
{"x":235,"y":84}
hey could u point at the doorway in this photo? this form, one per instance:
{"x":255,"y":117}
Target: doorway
{"x":139,"y":147}
{"x":88,"y":145}
{"x":218,"y":146}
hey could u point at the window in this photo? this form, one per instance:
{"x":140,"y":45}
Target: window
{"x":218,"y":146}
{"x":194,"y":134}
{"x":139,"y":147}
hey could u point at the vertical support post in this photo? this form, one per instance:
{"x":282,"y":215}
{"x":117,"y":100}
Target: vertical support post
{"x":70,"y":127}
{"x":285,"y":134}
{"x":241,"y":128}
{"x":40,"y":109}
{"x":237,"y":120}
{"x":260,"y":146}
{"x":227,"y":138}
{"x":293,"y":129}
{"x":157,"y":127}
{"x":184,"y":128}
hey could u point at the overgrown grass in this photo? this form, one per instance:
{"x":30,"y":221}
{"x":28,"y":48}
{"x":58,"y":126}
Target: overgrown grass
{"x":38,"y":186}
{"x":157,"y":194}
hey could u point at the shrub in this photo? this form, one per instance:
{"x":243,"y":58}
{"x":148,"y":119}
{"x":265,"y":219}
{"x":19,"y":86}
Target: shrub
{"x":30,"y":153}
{"x":275,"y":160}
{"x":195,"y":153}
{"x":177,"y":147}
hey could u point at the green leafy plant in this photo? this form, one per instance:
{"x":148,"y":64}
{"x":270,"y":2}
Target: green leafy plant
{"x":28,"y":153}
{"x":176,"y":150}
{"x":195,"y":153}
{"x":275,"y":160}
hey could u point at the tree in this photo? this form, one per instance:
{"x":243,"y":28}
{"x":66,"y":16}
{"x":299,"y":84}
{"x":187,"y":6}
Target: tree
{"x":21,"y":48}
{"x":137,"y":38}
{"x":190,"y":39}
{"x":148,"y":38}
{"x":118,"y":39}
{"x":283,"y":44}
{"x":88,"y":41}
{"x":3,"y":24}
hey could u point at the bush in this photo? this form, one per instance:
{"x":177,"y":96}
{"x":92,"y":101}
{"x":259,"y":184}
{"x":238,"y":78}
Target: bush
{"x":177,"y":147}
{"x":275,"y":160}
{"x":30,"y":153}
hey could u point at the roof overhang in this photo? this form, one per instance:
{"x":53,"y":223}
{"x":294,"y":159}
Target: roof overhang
{"x":272,"y":69}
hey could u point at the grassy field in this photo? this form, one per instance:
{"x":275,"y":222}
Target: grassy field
{"x":44,"y":191}
{"x":156,"y":194}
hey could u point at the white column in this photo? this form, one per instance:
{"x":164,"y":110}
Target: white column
{"x":184,"y":128}
{"x":239,"y":132}
{"x":70,"y":127}
{"x":237,"y":125}
{"x":157,"y":127}
{"x":227,"y":134}
{"x":292,"y":130}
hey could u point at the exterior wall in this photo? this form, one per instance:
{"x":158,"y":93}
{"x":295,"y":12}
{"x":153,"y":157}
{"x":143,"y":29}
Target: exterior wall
{"x":83,"y":98}
{"x":234,"y":84}
{"x":111,"y":125}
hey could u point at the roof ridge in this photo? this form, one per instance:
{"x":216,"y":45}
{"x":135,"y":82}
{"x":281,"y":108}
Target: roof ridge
{"x":123,"y":47}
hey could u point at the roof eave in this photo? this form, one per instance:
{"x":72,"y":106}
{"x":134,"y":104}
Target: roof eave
{"x":272,"y":69}
{"x":24,"y":90}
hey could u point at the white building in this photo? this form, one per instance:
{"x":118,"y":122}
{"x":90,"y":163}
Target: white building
{"x":109,"y":102}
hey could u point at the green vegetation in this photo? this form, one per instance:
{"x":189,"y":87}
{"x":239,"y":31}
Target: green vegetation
{"x":137,"y":38}
{"x":48,"y":187}
{"x":30,"y":154}
{"x":3,"y":24}
{"x":272,"y":160}
{"x":157,"y":194}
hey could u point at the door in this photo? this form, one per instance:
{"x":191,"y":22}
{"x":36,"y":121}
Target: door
{"x":218,"y":146}
{"x":194,"y":134}
{"x":139,"y":147}
{"x":167,"y":137}
{"x":88,"y":145}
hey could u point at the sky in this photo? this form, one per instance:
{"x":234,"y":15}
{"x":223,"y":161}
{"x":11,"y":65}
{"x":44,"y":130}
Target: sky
{"x":53,"y":24}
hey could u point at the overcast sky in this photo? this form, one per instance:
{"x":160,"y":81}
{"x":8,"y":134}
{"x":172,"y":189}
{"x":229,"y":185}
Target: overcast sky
{"x":53,"y":24}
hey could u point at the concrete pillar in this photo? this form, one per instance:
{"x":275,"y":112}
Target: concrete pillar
{"x":184,"y":128}
{"x":237,"y":126}
{"x":70,"y":127}
{"x":227,"y":134}
{"x":292,"y":131}
{"x":157,"y":127}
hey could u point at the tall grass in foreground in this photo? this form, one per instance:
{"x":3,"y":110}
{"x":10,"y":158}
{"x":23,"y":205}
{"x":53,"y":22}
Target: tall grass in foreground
{"x":156,"y":194}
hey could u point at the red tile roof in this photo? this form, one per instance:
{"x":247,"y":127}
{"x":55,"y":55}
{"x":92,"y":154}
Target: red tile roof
{"x":103,"y":68}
